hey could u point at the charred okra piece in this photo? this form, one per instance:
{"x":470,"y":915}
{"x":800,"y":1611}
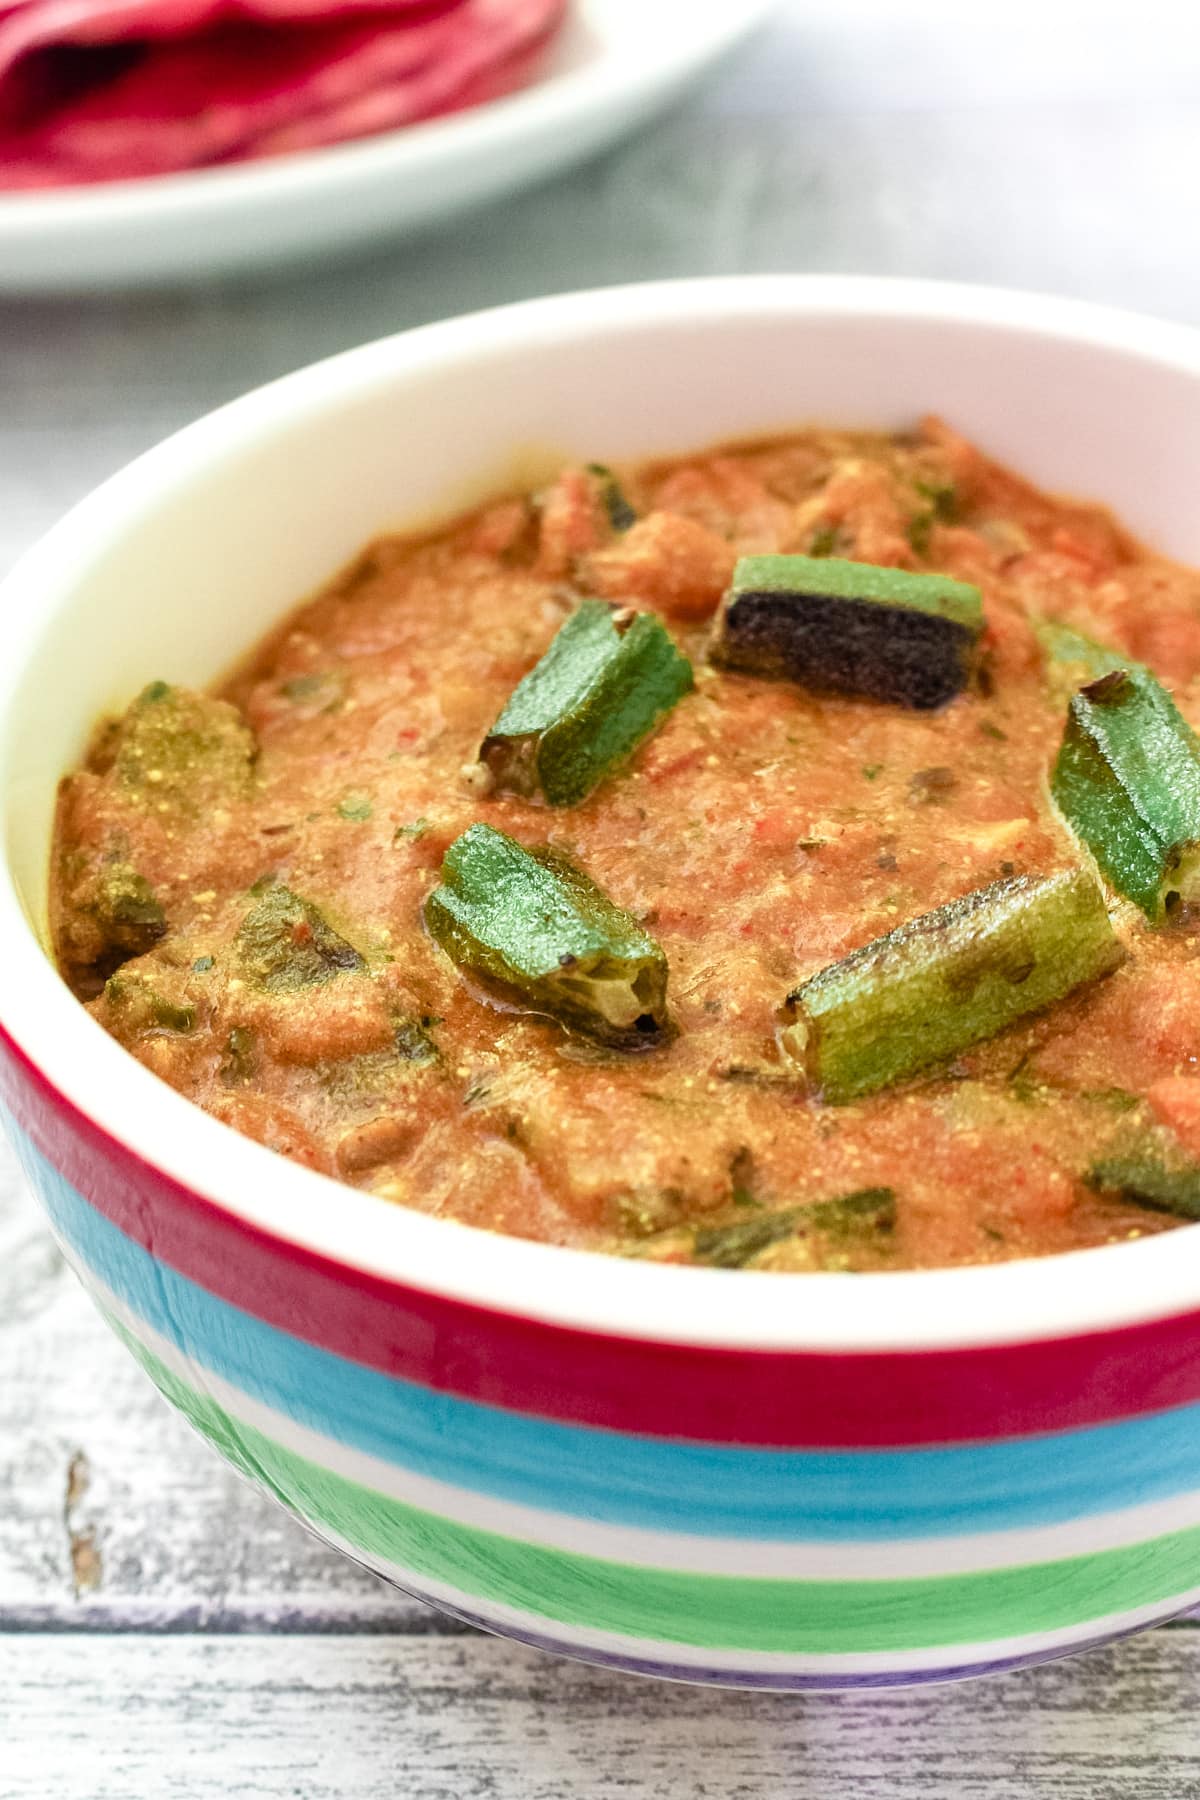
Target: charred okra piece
{"x":532,"y":924}
{"x":1127,"y":781}
{"x":947,"y":980}
{"x":850,"y":628}
{"x":608,"y":678}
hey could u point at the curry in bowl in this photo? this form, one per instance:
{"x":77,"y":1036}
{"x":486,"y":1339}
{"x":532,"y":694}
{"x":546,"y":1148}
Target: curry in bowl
{"x":783,"y":858}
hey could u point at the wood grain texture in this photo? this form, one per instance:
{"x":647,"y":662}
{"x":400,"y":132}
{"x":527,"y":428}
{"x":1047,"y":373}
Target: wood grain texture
{"x":475,"y":1719}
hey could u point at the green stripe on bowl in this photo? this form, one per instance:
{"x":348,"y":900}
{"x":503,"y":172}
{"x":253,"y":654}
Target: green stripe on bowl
{"x":704,"y":1611}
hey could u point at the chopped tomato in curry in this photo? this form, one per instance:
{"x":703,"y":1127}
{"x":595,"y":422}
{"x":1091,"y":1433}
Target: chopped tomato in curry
{"x":309,"y":904}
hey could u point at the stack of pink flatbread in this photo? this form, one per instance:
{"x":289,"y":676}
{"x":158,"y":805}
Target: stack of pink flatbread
{"x":106,"y":90}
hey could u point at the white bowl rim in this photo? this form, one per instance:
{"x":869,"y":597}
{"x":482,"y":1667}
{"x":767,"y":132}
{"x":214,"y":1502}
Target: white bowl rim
{"x":1094,"y":1290}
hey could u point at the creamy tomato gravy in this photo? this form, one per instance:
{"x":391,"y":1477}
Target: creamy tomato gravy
{"x":761,"y":833}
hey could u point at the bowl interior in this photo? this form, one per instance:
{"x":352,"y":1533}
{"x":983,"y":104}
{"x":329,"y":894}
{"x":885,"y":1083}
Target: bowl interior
{"x":178,"y":566}
{"x":180,"y":563}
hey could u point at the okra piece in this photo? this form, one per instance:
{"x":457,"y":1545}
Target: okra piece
{"x":733,"y":1246}
{"x":620,"y":514}
{"x":127,"y":909}
{"x":1127,"y":782}
{"x":1151,"y":1179}
{"x":947,"y":980}
{"x":182,"y":753}
{"x":607,"y":680}
{"x":285,"y":943}
{"x":850,"y":628}
{"x":870,"y":1209}
{"x":140,"y":1007}
{"x":533,"y":925}
{"x":1070,"y":654}
{"x":865,"y":1214}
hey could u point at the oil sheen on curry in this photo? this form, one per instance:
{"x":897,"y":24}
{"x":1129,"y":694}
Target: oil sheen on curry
{"x":784,"y":858}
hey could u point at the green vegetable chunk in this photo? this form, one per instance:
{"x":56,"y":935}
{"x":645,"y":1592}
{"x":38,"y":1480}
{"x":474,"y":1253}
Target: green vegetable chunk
{"x":606,"y":681}
{"x":1148,"y":1178}
{"x":355,"y":805}
{"x":850,"y":628}
{"x":1127,"y":781}
{"x":867,"y":1209}
{"x":140,"y":1007}
{"x":284,"y":943}
{"x":866,"y":1213}
{"x":182,"y":752}
{"x":1069,"y":653}
{"x":733,"y":1246}
{"x":127,"y":909}
{"x":621,"y":515}
{"x":536,"y":926}
{"x":947,"y":980}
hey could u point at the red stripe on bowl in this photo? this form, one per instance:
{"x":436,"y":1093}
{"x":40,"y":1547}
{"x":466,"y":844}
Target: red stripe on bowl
{"x":794,"y":1399}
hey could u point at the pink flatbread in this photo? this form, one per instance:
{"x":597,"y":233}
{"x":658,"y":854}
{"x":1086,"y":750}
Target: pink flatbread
{"x":28,"y":25}
{"x":226,"y":79}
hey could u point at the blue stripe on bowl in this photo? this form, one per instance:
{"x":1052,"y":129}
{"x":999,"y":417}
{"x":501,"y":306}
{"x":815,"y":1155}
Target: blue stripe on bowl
{"x":660,"y":1484}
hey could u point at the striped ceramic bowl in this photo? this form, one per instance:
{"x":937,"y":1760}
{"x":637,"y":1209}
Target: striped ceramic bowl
{"x":778,"y":1481}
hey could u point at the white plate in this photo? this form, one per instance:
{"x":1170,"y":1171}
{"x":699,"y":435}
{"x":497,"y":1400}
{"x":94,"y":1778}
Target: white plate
{"x":615,"y":63}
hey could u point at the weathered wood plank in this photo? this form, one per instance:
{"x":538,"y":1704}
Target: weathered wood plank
{"x":473,"y":1719}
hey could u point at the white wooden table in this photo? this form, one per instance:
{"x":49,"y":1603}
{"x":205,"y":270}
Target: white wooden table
{"x":164,"y":1631}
